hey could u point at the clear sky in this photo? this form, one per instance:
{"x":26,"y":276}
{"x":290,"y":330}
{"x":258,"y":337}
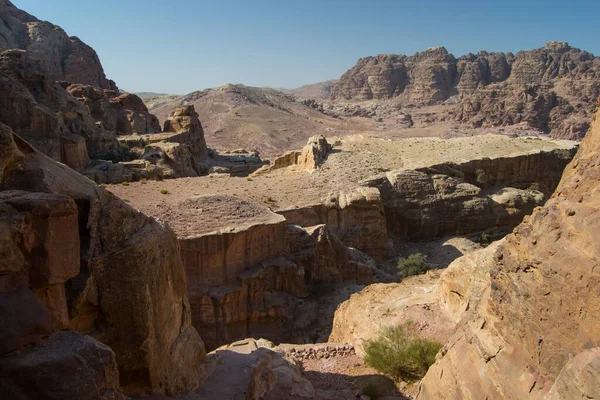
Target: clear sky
{"x":177,"y":46}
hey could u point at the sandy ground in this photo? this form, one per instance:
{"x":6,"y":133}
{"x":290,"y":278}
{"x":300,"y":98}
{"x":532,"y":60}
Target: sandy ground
{"x":359,"y":157}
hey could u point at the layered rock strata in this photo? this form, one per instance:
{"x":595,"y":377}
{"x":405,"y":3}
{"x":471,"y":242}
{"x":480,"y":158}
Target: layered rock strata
{"x":457,"y":199}
{"x":250,"y":274}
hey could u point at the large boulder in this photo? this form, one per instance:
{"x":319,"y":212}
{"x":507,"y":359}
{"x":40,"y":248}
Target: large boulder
{"x":314,"y":153}
{"x":43,"y":370}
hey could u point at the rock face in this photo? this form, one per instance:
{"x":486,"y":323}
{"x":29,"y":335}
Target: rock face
{"x":252,"y":277}
{"x":61,"y":57}
{"x":552,"y":88}
{"x":97,"y":267}
{"x":123,"y":114}
{"x":525,"y":313}
{"x":456,"y":199}
{"x":356,"y":217}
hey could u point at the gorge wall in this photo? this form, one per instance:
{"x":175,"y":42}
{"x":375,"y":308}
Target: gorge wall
{"x":523,"y":316}
{"x":552,"y":88}
{"x":75,"y":257}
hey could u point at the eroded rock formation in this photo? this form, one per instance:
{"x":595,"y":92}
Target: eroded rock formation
{"x":121,"y":113}
{"x":76,"y":257}
{"x":524,"y":317}
{"x":552,"y":88}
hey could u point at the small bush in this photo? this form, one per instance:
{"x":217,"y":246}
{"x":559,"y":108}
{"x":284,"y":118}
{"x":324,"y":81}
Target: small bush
{"x":125,"y":183}
{"x":164,"y":191}
{"x":485,"y":239}
{"x":103,"y":185}
{"x":400,"y":354}
{"x":249,"y":179}
{"x":143,"y":181}
{"x":268,"y":200}
{"x":371,"y":390}
{"x":337,"y":143}
{"x":415,"y":264}
{"x":127,"y":200}
{"x":534,"y":187}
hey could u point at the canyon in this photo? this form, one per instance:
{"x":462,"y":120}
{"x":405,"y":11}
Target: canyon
{"x":243,"y":242}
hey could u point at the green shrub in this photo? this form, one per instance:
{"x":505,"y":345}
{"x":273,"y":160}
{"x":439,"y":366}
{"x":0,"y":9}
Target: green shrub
{"x":125,"y":183}
{"x":249,"y":179}
{"x":164,"y":191}
{"x":415,"y":264}
{"x":143,"y":181}
{"x":485,"y":239}
{"x":337,"y":143}
{"x":400,"y":354}
{"x":534,"y":187}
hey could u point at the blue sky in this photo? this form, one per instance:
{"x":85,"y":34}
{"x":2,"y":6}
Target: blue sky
{"x":177,"y":46}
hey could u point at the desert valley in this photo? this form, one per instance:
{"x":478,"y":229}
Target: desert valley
{"x":422,"y":227}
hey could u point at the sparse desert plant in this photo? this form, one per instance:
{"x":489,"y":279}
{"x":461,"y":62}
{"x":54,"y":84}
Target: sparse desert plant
{"x":414,"y":264}
{"x":164,"y":191}
{"x":143,"y":181}
{"x":370,"y":390}
{"x":399,"y":353}
{"x":480,"y":177}
{"x":125,"y":183}
{"x":534,"y":187}
{"x":337,"y":143}
{"x":268,"y":200}
{"x":127,"y":200}
{"x":103,"y":185}
{"x":485,"y":239}
{"x":249,"y":179}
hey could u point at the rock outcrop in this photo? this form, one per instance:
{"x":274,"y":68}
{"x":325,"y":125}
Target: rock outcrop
{"x":552,"y":88}
{"x":249,"y":273}
{"x":47,"y":116}
{"x":60,"y":57}
{"x":314,"y":153}
{"x":524,"y":317}
{"x":76,"y":257}
{"x":457,"y":199}
{"x":120,"y":113}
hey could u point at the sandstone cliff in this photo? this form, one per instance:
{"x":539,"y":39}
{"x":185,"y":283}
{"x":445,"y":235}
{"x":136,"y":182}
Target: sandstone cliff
{"x":61,"y":57}
{"x":525,"y":326}
{"x":76,"y":257}
{"x":551,"y":88}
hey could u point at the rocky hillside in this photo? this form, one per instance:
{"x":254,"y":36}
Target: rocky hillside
{"x":238,"y":116}
{"x":525,"y":316}
{"x":319,"y":91}
{"x":552,"y":88}
{"x":60,"y":57}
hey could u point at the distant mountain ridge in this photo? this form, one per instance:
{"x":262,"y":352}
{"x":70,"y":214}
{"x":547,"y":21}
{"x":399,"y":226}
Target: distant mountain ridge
{"x":552,"y":88}
{"x":319,"y":90}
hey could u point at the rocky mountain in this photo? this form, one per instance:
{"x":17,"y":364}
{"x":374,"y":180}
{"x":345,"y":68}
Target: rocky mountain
{"x":552,"y":88}
{"x":319,"y":91}
{"x":60,"y":57}
{"x":238,"y":116}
